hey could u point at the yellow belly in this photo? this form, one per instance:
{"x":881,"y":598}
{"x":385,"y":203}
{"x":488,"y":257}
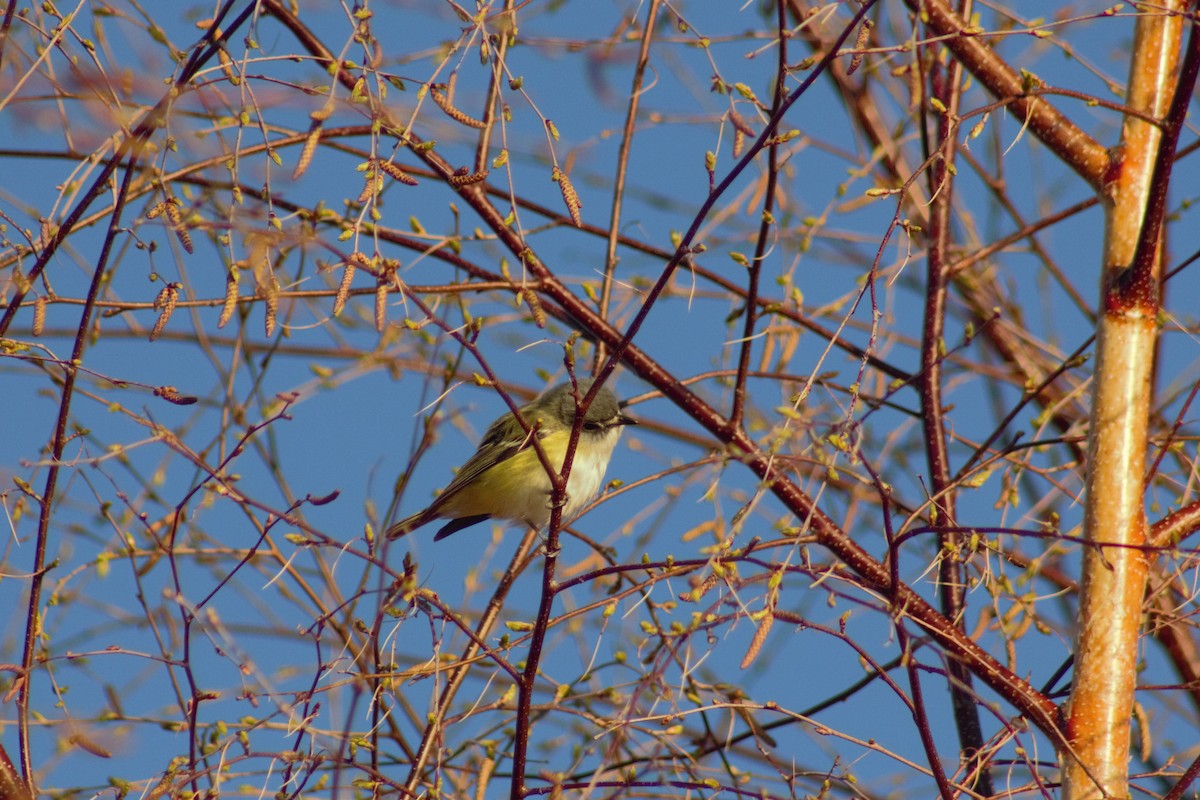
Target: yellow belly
{"x":519,"y":489}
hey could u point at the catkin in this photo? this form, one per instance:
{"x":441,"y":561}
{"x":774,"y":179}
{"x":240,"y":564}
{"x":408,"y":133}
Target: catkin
{"x":535,"y":306}
{"x":231,"y":295}
{"x":272,"y":310}
{"x":464,"y":178}
{"x":443,"y":102}
{"x":864,"y":37}
{"x":381,"y":293}
{"x":739,"y":123}
{"x":397,"y":174}
{"x":164,"y":303}
{"x":39,"y":316}
{"x":760,"y":636}
{"x":570,"y":196}
{"x":339,"y":300}
{"x":306,"y":152}
{"x":177,"y":224}
{"x":704,"y":588}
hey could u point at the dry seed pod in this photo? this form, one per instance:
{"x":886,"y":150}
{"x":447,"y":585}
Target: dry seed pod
{"x":306,"y":152}
{"x":739,"y":142}
{"x":339,"y":300}
{"x":570,"y":196}
{"x":156,"y":209}
{"x":443,"y":102}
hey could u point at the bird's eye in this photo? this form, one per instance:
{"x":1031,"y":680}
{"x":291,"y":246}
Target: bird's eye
{"x":593,"y":426}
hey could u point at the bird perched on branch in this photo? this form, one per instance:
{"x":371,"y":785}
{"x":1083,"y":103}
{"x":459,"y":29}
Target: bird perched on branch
{"x":505,"y":479}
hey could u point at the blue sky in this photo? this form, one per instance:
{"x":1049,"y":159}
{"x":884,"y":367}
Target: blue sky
{"x":357,"y":415}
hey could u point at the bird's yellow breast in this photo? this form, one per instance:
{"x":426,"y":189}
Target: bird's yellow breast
{"x":518,"y":488}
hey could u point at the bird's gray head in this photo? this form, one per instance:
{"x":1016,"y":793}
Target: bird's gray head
{"x":604,"y":412}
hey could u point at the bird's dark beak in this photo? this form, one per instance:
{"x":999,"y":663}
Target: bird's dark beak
{"x":624,"y":420}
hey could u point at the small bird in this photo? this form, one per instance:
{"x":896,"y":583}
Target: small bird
{"x":505,"y":479}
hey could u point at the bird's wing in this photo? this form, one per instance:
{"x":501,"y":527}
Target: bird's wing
{"x":498,"y":444}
